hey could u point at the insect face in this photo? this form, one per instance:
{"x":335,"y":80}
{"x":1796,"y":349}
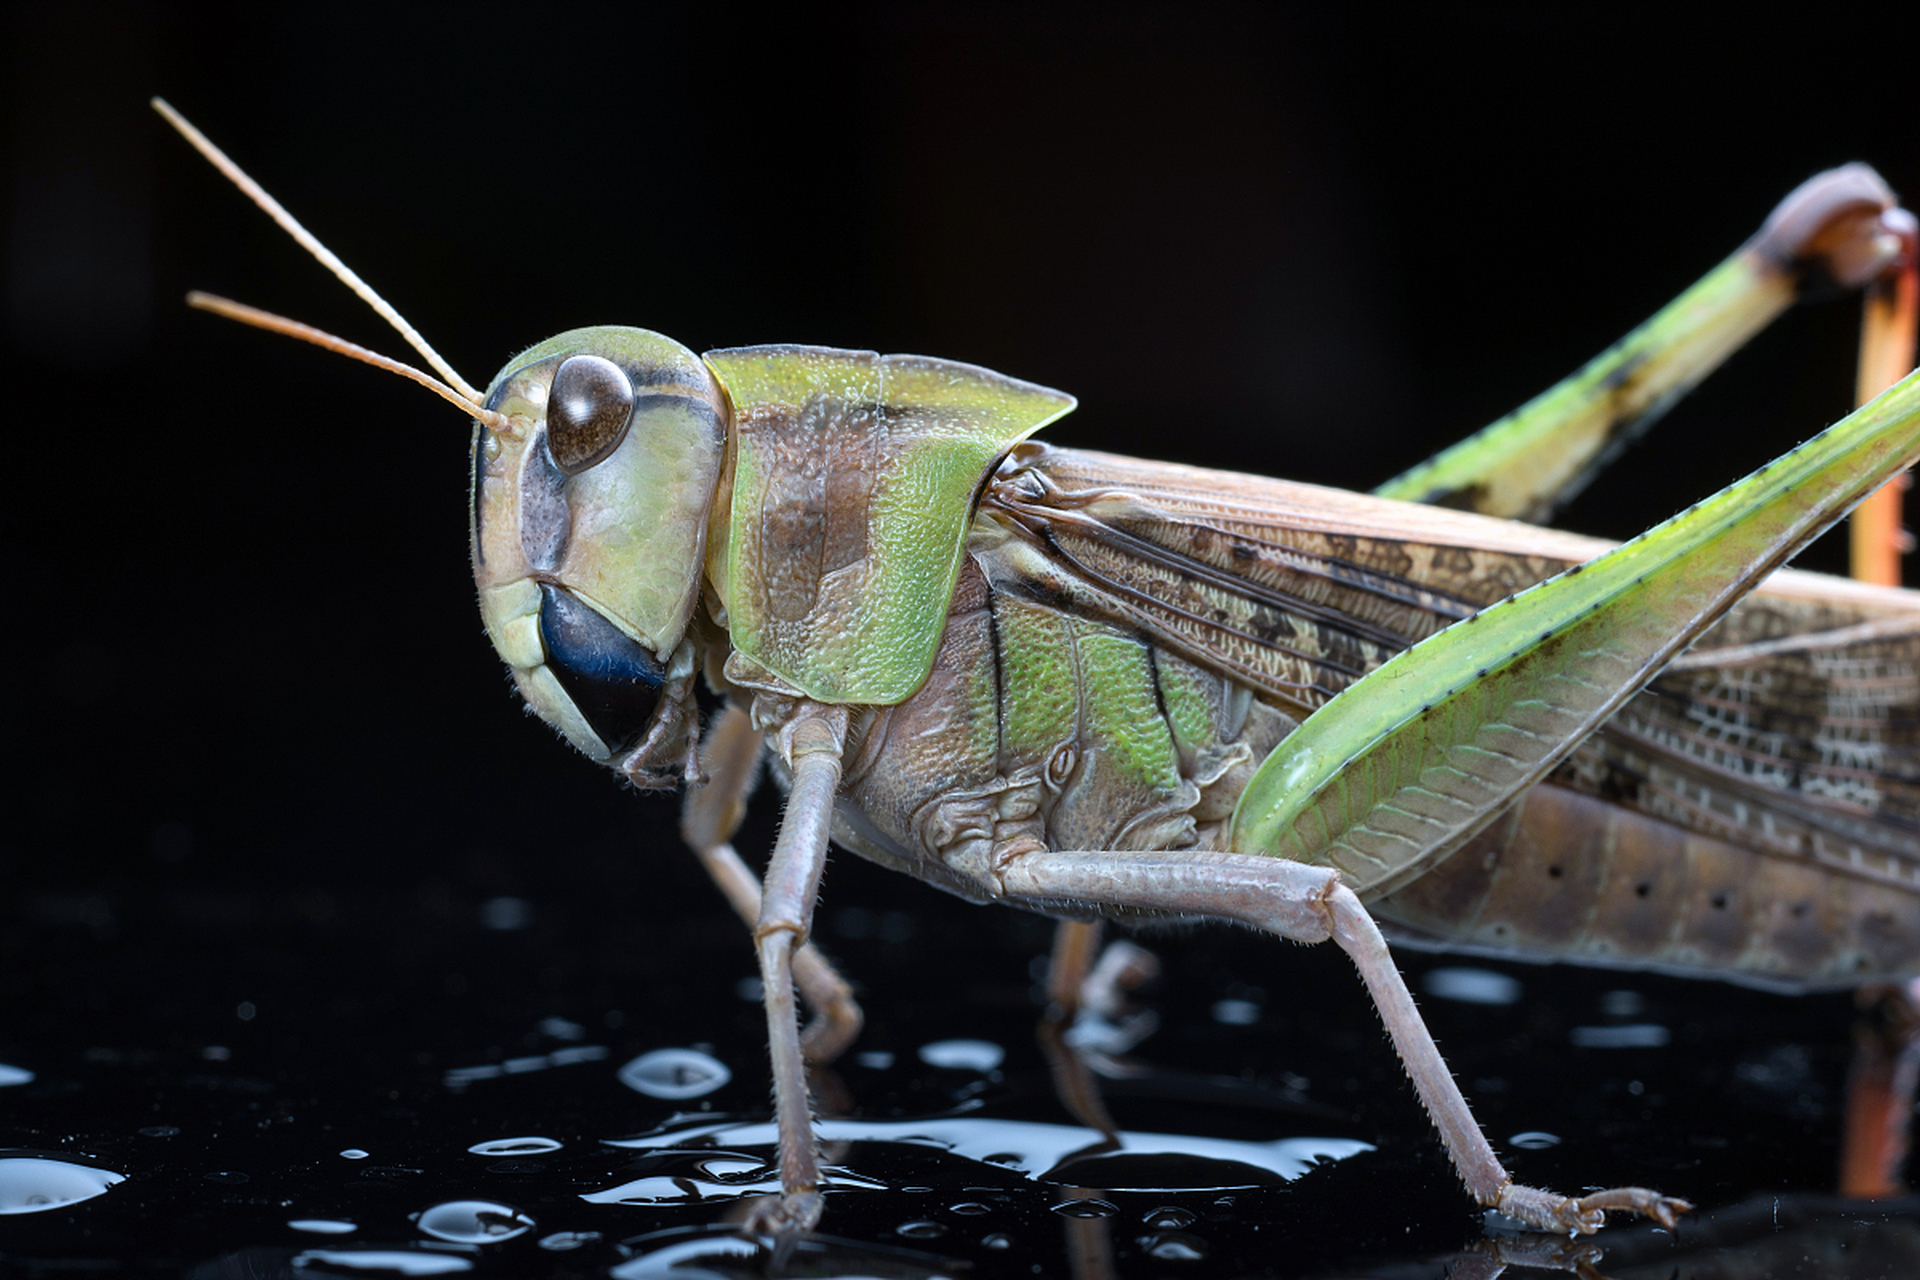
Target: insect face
{"x":589,"y":534}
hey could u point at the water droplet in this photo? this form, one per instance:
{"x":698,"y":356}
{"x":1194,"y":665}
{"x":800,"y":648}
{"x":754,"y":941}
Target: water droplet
{"x":963,"y":1055}
{"x":1175,"y":1246}
{"x":506,"y":914}
{"x":1170,"y":1217}
{"x":322,"y":1226}
{"x":474,"y":1222}
{"x":721,"y":1168}
{"x":561,"y":1029}
{"x":998,"y":1241}
{"x":675,"y":1074}
{"x":921,"y":1230}
{"x":353,"y":1153}
{"x":1534,"y":1140}
{"x":400,"y":1261}
{"x":216,"y":1053}
{"x":660,"y":1189}
{"x":750,"y":989}
{"x":246,"y":1011}
{"x":228,"y":1177}
{"x":874,"y":1060}
{"x":1236,"y":1013}
{"x":161,"y":1131}
{"x":1085,"y":1209}
{"x":971,"y":1208}
{"x":1471,"y":986}
{"x":14,"y":1075}
{"x":30,"y":1184}
{"x":561,"y":1241}
{"x":513,"y":1147}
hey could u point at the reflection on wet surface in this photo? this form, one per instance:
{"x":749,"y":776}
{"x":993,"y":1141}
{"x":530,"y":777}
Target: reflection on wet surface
{"x":422,"y":1093}
{"x":473,"y":1222}
{"x":1048,"y":1153}
{"x":514,"y":1147}
{"x":678,"y":1074}
{"x":398,"y":1262}
{"x":1471,"y":985}
{"x":35,"y":1184}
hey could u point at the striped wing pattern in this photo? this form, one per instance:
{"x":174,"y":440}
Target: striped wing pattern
{"x":1804,"y":742}
{"x":1801,"y":740}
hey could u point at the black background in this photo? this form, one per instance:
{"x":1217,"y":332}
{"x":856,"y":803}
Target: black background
{"x":262,"y":751}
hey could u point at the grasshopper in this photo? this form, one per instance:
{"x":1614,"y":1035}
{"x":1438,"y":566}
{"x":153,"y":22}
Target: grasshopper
{"x":1104,"y":688}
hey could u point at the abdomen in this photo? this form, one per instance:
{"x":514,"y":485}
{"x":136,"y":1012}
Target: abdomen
{"x":1565,"y":876}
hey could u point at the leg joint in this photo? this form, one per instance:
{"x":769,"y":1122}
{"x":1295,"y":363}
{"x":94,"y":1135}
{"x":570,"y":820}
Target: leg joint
{"x":766,"y":930}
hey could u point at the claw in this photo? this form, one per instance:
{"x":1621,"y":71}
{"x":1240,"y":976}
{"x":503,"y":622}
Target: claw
{"x":785,"y":1216}
{"x":1547,"y":1211}
{"x":1665,"y":1210}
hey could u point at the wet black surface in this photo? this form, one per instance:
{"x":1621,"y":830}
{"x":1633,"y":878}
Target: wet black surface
{"x":286,"y":875}
{"x":254,"y":1060}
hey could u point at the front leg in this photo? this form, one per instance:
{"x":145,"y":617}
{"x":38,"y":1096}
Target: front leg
{"x":812,"y":741}
{"x":1310,"y":904}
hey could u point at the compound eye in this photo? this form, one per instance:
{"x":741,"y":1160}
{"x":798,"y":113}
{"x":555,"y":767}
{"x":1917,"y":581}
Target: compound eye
{"x":588,"y":409}
{"x":613,"y":681}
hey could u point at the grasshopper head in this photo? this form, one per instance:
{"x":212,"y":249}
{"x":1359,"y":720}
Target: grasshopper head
{"x":589,"y":534}
{"x":596,"y":456}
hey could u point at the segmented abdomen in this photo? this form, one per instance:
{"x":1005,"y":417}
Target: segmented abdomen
{"x":1565,"y":876}
{"x":1040,"y":727}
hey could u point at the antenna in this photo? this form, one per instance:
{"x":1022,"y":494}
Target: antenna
{"x":267,"y":320}
{"x":456,"y":389}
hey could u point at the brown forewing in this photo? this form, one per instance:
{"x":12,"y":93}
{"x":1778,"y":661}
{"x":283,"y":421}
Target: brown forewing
{"x":1810,"y":754}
